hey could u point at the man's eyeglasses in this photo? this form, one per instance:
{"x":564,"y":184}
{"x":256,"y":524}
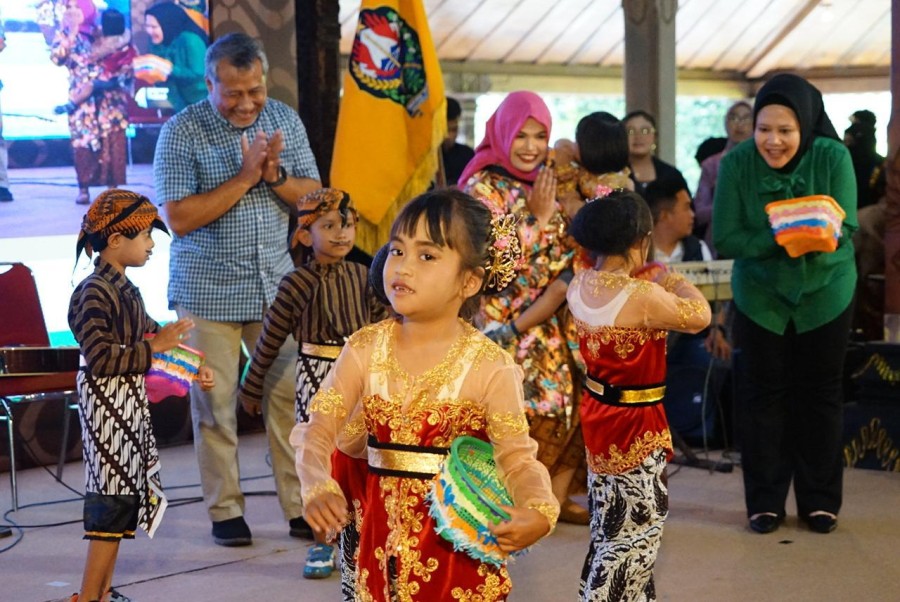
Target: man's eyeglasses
{"x":644,"y":131}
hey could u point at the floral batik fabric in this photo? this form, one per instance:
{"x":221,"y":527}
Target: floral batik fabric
{"x":542,"y":351}
{"x":627,"y":515}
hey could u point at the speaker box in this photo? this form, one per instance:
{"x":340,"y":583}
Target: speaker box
{"x":872,"y":436}
{"x":686,"y":411}
{"x":39,"y":433}
{"x":877,"y":379}
{"x":39,"y":430}
{"x":171,"y":420}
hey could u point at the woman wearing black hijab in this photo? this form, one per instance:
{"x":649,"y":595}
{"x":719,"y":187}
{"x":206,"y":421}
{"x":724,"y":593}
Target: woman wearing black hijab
{"x":793,"y":313}
{"x":175,"y":37}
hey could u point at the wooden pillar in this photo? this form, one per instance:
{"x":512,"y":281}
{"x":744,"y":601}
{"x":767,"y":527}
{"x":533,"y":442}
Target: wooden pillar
{"x":319,"y":75}
{"x":650,"y":71}
{"x":272,"y":23}
{"x":892,"y":226}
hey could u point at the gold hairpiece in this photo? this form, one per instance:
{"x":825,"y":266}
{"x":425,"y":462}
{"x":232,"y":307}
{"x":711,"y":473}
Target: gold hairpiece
{"x":504,"y":252}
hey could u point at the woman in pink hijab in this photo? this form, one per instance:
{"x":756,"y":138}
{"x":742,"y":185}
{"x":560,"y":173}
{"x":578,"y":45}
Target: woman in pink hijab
{"x":511,"y":174}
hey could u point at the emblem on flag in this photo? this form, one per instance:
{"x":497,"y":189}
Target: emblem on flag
{"x":386,"y":60}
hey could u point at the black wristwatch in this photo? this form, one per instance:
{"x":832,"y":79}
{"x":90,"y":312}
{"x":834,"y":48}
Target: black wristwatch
{"x":282,"y":178}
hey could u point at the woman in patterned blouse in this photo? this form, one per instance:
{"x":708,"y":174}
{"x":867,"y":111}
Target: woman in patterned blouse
{"x":508,"y":173}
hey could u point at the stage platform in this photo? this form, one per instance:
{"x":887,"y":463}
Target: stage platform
{"x":707,"y":553}
{"x":40,"y":227}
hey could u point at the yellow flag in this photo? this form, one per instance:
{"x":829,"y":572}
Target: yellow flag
{"x":392,"y":116}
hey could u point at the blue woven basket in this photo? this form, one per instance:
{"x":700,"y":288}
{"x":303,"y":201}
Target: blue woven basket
{"x":466,"y":499}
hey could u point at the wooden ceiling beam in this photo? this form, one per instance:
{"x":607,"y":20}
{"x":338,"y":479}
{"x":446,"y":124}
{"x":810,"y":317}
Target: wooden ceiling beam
{"x":752,"y":68}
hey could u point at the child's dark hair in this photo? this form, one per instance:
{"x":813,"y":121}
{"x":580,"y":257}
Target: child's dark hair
{"x":455,"y":220}
{"x":112,"y":22}
{"x":613,"y":224}
{"x":454,"y":110}
{"x":99,"y":244}
{"x":602,"y":143}
{"x":376,"y":274}
{"x":661,"y":195}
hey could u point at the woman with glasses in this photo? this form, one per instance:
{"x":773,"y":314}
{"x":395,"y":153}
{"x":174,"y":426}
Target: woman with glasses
{"x":645,"y":166}
{"x":738,"y":127}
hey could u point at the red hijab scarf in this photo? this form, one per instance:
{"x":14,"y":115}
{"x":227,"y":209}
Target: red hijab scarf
{"x":501,"y":131}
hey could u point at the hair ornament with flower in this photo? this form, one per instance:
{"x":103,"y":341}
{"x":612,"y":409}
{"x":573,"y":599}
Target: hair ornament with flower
{"x":601,"y":191}
{"x":504,"y":250}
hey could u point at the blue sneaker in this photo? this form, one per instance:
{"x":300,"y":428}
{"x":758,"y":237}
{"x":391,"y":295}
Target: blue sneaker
{"x":319,"y":562}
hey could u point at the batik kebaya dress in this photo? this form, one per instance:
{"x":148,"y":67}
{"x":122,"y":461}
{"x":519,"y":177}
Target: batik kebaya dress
{"x":624,"y":424}
{"x":404,"y":424}
{"x":546,"y":252}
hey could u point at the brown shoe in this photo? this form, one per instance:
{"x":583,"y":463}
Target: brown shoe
{"x":572,"y":513}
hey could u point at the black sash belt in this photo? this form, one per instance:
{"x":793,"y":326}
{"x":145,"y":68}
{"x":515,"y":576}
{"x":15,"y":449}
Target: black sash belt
{"x":409,"y":461}
{"x":612,"y":395}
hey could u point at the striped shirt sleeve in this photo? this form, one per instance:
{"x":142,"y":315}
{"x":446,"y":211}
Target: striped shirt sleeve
{"x":292,"y":299}
{"x":101,"y":328}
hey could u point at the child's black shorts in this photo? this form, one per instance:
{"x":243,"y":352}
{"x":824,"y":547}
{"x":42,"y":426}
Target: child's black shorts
{"x":110,"y":517}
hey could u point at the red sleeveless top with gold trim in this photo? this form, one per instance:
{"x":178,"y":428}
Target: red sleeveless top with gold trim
{"x":621,"y":408}
{"x":371,"y":407}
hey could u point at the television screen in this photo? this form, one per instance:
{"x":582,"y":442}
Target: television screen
{"x":36,"y":90}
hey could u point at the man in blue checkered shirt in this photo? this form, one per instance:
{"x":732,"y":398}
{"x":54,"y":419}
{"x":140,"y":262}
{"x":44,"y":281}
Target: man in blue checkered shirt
{"x":227,"y":171}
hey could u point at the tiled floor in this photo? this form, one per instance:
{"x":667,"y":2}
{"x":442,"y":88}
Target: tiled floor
{"x":707,"y":553}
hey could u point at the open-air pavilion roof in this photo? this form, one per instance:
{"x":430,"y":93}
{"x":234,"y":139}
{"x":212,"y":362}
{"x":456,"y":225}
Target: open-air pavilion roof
{"x":733,"y":40}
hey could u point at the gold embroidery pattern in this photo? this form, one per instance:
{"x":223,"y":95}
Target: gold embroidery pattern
{"x":689,"y":307}
{"x":365,"y":335}
{"x":328,"y":402}
{"x":452,"y":417}
{"x":506,"y":424}
{"x":551,"y":511}
{"x":401,"y":498}
{"x":329,"y":486}
{"x":362,"y":592}
{"x":425,"y":404}
{"x":355,"y":427}
{"x":672,"y":281}
{"x":882,"y":369}
{"x":618,"y":462}
{"x":496,"y":586}
{"x":598,"y":282}
{"x":624,"y":340}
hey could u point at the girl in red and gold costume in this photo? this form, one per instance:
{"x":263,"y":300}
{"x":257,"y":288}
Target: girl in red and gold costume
{"x":623,"y":310}
{"x":402,"y":390}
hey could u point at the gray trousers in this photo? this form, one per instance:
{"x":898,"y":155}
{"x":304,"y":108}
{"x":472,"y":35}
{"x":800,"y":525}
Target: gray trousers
{"x":215,"y":422}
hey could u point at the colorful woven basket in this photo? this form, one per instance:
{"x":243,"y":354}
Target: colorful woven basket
{"x":466,"y":499}
{"x":151,"y":68}
{"x":172,"y":372}
{"x":806,"y":224}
